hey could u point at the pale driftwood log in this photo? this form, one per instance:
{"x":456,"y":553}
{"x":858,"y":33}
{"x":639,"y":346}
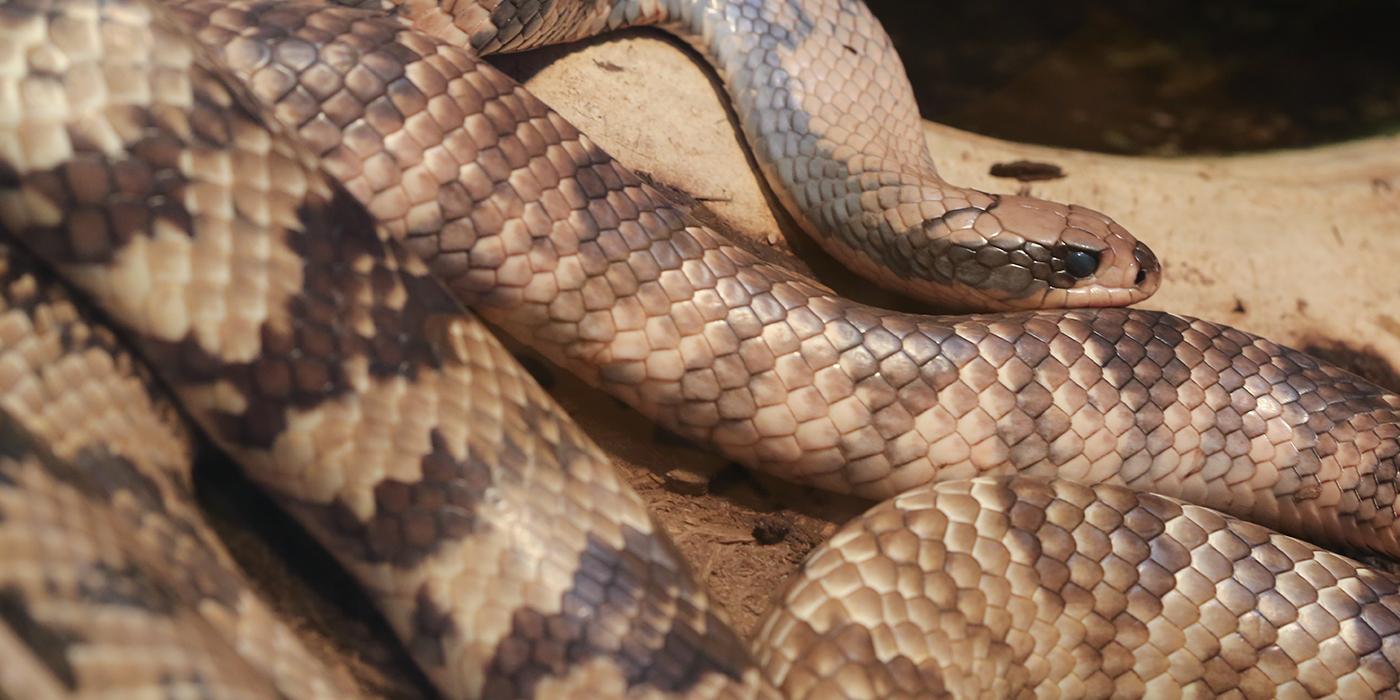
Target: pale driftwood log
{"x":1298,"y":246}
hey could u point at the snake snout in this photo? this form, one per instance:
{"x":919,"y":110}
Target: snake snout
{"x":1149,"y":270}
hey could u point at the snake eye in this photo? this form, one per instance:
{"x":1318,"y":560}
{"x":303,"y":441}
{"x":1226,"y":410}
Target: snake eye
{"x":1081,"y":263}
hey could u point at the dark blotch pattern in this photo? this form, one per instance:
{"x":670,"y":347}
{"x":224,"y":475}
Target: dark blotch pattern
{"x":107,"y":204}
{"x":600,"y":619}
{"x":307,"y":367}
{"x":361,"y":304}
{"x":14,"y":444}
{"x":102,"y":475}
{"x":411,"y":520}
{"x":125,"y":586}
{"x":432,"y":627}
{"x":48,"y":643}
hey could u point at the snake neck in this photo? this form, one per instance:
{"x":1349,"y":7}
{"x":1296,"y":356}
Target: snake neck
{"x":822,"y":99}
{"x":821,"y":96}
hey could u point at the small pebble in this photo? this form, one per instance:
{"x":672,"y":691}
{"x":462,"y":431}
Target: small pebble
{"x":771,"y":529}
{"x":687,"y":482}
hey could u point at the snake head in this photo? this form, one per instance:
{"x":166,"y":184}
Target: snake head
{"x":1016,"y":252}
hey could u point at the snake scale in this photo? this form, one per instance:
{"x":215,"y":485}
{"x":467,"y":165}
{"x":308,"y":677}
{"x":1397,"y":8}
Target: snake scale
{"x":264,"y":221}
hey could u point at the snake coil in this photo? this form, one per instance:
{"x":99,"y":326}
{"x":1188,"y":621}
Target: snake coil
{"x":266,"y":221}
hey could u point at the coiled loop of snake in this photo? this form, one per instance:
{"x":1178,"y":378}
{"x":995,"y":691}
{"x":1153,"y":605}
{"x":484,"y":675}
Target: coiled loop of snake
{"x":299,"y":323}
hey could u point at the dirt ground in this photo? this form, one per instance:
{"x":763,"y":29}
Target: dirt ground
{"x":743,"y":534}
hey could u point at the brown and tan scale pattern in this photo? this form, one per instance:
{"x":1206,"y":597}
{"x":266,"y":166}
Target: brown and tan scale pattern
{"x":91,"y":617}
{"x":1025,"y":587}
{"x":560,"y":245}
{"x":494,"y":536}
{"x":98,"y":522}
{"x":320,"y":352}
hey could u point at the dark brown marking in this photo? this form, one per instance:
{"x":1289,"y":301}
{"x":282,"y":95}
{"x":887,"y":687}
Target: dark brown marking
{"x":238,"y":507}
{"x":49,"y":643}
{"x":26,"y":286}
{"x":306,"y":367}
{"x":15,"y":445}
{"x":126,"y":587}
{"x":100,"y":475}
{"x":666,"y":653}
{"x":106,"y":204}
{"x":432,"y":627}
{"x":412,"y":521}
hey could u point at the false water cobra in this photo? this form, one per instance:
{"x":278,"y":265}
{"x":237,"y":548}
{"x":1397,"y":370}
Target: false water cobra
{"x":307,"y":335}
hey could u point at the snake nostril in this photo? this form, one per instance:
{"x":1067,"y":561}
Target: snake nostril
{"x":1146,"y":261}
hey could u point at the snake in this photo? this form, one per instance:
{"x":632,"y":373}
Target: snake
{"x":283,"y":228}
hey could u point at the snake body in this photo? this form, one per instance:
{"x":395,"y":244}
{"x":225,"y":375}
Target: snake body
{"x":112,"y":582}
{"x":284,"y":219}
{"x":822,"y":97}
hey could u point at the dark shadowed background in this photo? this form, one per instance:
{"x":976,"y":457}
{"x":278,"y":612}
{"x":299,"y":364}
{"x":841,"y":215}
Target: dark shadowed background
{"x":1165,"y":78}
